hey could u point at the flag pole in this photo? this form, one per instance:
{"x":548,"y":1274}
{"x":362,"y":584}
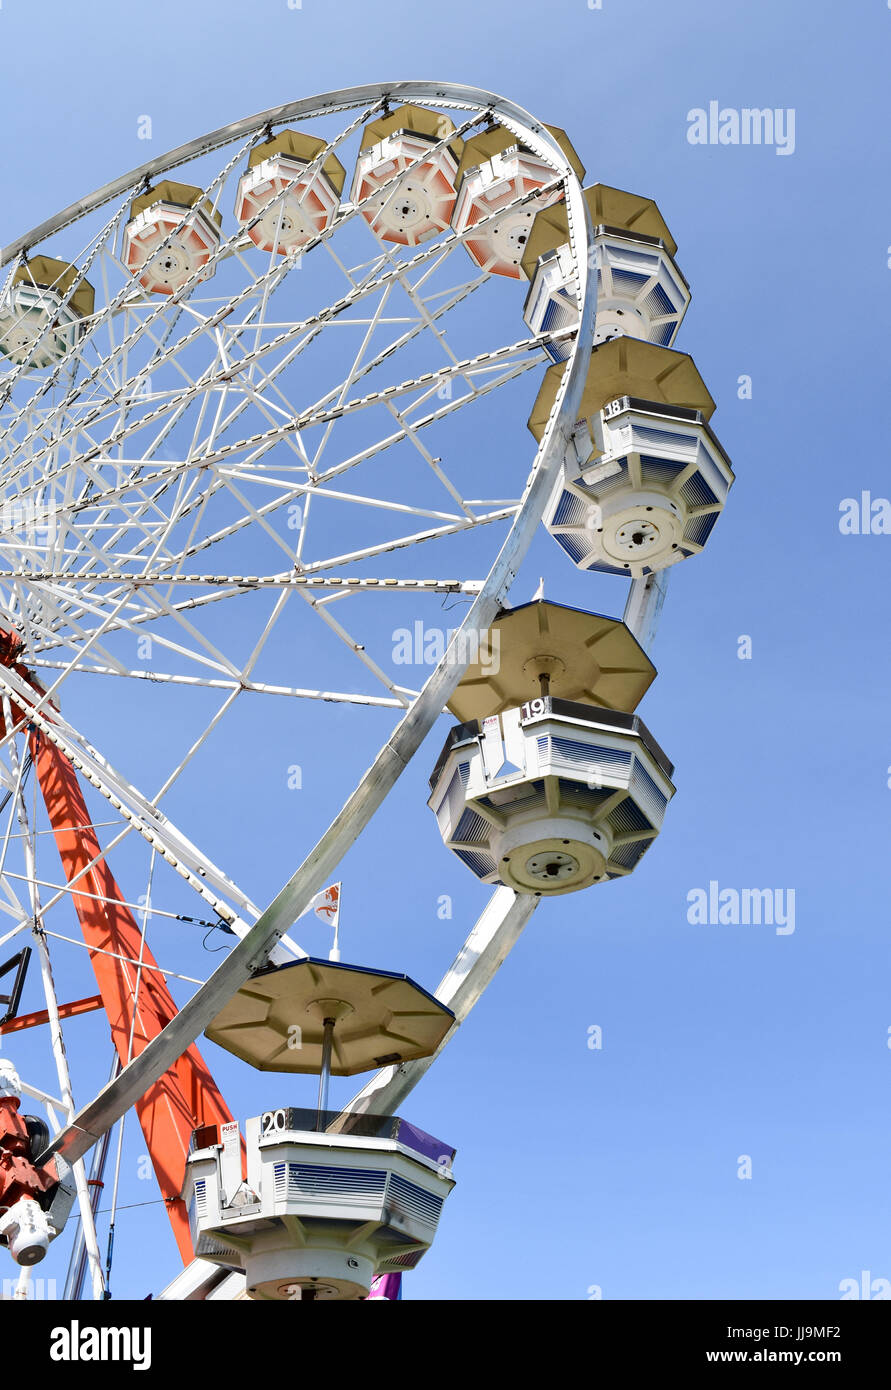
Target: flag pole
{"x":334,"y":953}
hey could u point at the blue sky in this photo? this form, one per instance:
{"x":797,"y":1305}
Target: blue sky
{"x":614,"y":1168}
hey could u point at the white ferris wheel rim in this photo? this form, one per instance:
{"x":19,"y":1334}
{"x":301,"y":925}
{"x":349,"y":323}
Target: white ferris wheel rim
{"x":82,"y":1130}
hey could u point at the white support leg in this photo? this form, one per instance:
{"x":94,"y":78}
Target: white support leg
{"x":643,"y":607}
{"x":497,"y":930}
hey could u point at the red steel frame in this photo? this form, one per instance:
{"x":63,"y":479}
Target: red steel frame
{"x":186,"y":1097}
{"x":77,"y":1006}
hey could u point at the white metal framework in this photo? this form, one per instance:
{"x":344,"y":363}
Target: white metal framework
{"x":269,"y":456}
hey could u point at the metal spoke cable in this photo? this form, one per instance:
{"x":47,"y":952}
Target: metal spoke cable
{"x":109,"y":1253}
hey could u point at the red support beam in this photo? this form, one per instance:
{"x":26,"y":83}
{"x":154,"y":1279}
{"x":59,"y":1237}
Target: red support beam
{"x":77,"y":1006}
{"x":186,"y":1096}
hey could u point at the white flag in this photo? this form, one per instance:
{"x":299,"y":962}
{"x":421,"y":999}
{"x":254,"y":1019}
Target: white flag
{"x":326,"y":906}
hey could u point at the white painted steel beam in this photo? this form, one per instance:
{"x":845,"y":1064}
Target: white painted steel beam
{"x":310,"y":877}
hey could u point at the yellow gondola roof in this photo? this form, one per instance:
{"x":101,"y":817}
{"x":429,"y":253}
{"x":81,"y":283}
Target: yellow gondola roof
{"x":59,"y":276}
{"x":297,"y":145}
{"x":628,"y":367}
{"x":181,"y":195}
{"x":420,"y":120}
{"x":483,"y":147}
{"x":609,"y":207}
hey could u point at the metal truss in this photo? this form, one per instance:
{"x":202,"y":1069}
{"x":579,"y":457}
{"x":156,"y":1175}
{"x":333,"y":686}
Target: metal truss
{"x":269,"y":437}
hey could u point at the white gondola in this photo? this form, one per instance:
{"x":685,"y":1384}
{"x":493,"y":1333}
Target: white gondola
{"x":319,"y":1214}
{"x":33,"y":307}
{"x":419,"y":205}
{"x":587,"y":802}
{"x":496,"y":170}
{"x":655,"y":479}
{"x":641,"y":293}
{"x":160,"y":252}
{"x":293,"y":197}
{"x":556,"y":792}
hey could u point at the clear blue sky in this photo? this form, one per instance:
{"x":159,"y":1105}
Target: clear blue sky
{"x":616,"y":1168}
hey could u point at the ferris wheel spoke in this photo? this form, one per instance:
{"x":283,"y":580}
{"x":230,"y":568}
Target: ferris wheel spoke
{"x":166,"y":971}
{"x":213,"y":658}
{"x":429,"y":380}
{"x":46,"y":636}
{"x":253,"y":514}
{"x":429,"y":319}
{"x":379,"y":282}
{"x":327,"y":494}
{"x":298,"y":490}
{"x":12,"y":778}
{"x":434,"y":417}
{"x":387,"y":547}
{"x":185,"y":482}
{"x":161,"y":355}
{"x":351,"y":376}
{"x":179,"y":294}
{"x":126,"y":289}
{"x":188,"y":489}
{"x":191,"y":1020}
{"x":345,"y":697}
{"x":181,"y":406}
{"x":135,"y":512}
{"x":251,"y":367}
{"x":356,"y":648}
{"x":200,"y":873}
{"x":310,"y":573}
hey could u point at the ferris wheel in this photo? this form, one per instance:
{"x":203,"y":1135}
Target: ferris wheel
{"x":256,"y":397}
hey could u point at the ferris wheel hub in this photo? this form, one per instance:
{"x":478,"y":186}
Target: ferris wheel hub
{"x":27,"y":1231}
{"x":34,"y":1200}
